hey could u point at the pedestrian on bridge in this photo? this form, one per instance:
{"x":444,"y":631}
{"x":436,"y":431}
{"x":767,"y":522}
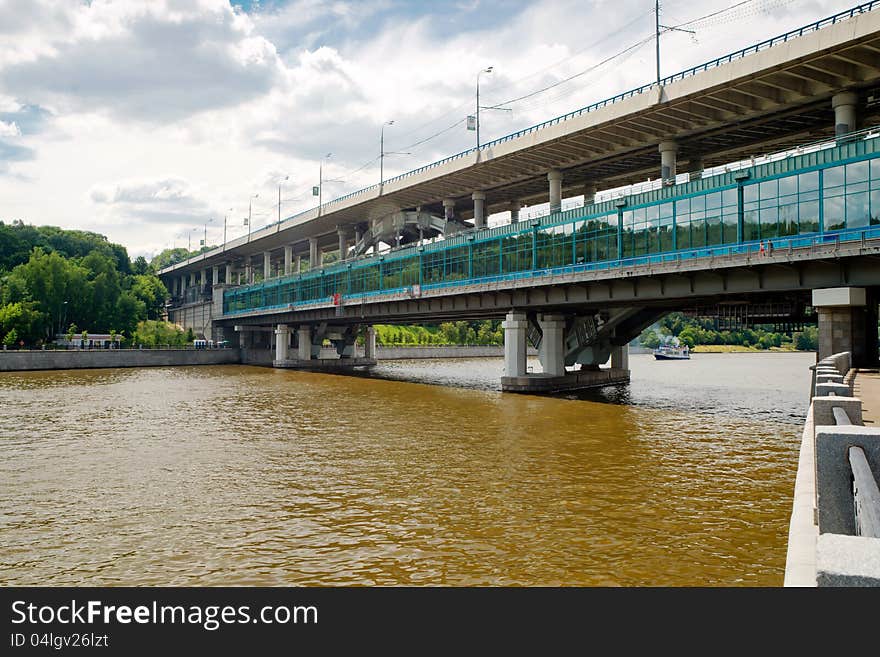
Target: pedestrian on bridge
{"x":761,"y":248}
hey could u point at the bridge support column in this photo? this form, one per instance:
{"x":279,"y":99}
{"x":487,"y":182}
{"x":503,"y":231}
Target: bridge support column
{"x":215,"y":275}
{"x":847,"y":322}
{"x":370,"y":343}
{"x":230,"y":272}
{"x":668,"y":156}
{"x":297,"y":264}
{"x":282,"y":342}
{"x":551,"y":351}
{"x":514,"y":211}
{"x":314,"y":253}
{"x":304,"y":350}
{"x":620,"y":357}
{"x":515,"y":326}
{"x":479,"y":199}
{"x":589,"y":193}
{"x":267,"y":265}
{"x":844,"y":105}
{"x":554,"y":177}
{"x":288,"y":258}
{"x":249,"y":272}
{"x":342,"y":233}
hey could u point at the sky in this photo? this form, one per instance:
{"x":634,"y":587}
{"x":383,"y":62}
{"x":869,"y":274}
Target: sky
{"x":152,"y":121}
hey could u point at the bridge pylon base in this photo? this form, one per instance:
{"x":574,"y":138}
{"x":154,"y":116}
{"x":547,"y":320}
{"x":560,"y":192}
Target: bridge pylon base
{"x":323,"y":364}
{"x":535,"y":383}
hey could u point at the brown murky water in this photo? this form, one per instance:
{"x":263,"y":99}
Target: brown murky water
{"x":250,"y":476}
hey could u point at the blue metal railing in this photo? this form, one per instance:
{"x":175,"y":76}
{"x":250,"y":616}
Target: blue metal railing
{"x":597,"y":236}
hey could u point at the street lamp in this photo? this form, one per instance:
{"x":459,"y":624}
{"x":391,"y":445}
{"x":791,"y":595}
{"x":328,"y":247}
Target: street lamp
{"x":189,"y":240}
{"x":382,"y":151}
{"x":205,"y":240}
{"x":321,"y":183}
{"x":60,"y":320}
{"x":485,"y":70}
{"x":250,"y":216}
{"x":279,"y":201}
{"x":224,"y":226}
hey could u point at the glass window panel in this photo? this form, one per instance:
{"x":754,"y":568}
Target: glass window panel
{"x":751,"y":227}
{"x":729,"y":197}
{"x":833,"y":177}
{"x":750,"y":193}
{"x":808,"y":217}
{"x":666,"y":209}
{"x":833,"y":214}
{"x":875,"y":168}
{"x":769,"y":218}
{"x":713,"y":200}
{"x":856,"y":172}
{"x":857,"y":210}
{"x":769,"y":189}
{"x":875,"y":207}
{"x":808,"y":181}
{"x":788,"y":185}
{"x":788,"y":220}
{"x":683,"y":206}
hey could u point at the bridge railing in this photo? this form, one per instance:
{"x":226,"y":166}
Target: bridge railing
{"x":836,"y":516}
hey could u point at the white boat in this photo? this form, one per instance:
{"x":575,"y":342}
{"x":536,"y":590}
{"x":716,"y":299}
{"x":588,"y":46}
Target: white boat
{"x":672,"y":352}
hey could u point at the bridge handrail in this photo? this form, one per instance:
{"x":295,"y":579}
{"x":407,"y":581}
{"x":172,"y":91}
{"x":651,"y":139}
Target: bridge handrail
{"x":866,"y":494}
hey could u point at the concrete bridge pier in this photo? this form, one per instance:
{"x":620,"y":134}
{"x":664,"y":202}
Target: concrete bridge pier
{"x":847,"y":322}
{"x":304,"y":342}
{"x":553,"y":333}
{"x":515,"y":326}
{"x":668,"y":157}
{"x":282,"y":342}
{"x":370,"y":343}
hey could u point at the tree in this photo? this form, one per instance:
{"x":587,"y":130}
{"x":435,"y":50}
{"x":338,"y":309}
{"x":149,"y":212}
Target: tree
{"x":141,"y":266}
{"x":11,"y":338}
{"x":23,"y":318}
{"x":150,"y":290}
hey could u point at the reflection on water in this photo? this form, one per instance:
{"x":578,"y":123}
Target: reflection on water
{"x":251,"y":476}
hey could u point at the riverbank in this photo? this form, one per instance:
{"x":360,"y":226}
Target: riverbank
{"x":75,"y":359}
{"x":739,"y":349}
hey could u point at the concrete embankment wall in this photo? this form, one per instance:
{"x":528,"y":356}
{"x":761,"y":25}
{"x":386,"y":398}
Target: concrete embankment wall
{"x":427,"y":351}
{"x":15,"y":361}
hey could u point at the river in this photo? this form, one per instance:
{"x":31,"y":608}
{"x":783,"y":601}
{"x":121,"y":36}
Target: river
{"x":232,"y":475}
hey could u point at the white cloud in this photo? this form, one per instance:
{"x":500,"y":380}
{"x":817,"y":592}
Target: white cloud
{"x":9,"y":129}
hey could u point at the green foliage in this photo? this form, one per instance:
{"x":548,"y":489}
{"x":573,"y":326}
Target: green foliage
{"x":11,"y":338}
{"x":808,"y":339}
{"x":56,"y":276}
{"x":21,"y":317}
{"x":693,"y":332}
{"x":172,"y":257}
{"x":153,"y":333}
{"x":488,"y":332}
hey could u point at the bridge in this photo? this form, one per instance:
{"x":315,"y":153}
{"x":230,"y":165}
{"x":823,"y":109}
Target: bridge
{"x":580,"y":280}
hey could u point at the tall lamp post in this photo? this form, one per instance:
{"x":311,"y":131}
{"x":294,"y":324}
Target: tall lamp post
{"x":279,"y":200}
{"x":321,"y":183}
{"x":205,"y":238}
{"x":224,"y":226}
{"x":485,"y":70}
{"x":250,"y":215}
{"x":382,"y":151}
